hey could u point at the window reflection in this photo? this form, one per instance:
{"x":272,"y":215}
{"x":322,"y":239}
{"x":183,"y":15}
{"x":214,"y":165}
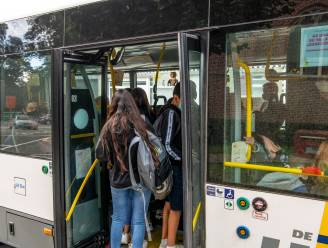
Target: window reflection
{"x":280,"y":119}
{"x":25,"y":117}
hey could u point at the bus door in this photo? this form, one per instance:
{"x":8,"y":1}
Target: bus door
{"x":192,"y":67}
{"x":81,"y":104}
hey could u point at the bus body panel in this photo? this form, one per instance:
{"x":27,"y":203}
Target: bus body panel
{"x":288,"y":221}
{"x":26,"y":186}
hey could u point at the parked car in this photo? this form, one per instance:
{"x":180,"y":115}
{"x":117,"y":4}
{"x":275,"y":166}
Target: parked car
{"x":24,"y":122}
{"x":45,"y":119}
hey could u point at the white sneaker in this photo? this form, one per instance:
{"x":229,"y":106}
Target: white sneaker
{"x":144,"y":244}
{"x":125,"y":239}
{"x":163,"y":243}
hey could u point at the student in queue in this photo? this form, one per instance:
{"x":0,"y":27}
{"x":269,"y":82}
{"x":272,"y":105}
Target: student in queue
{"x":113,"y":145}
{"x":141,"y":99}
{"x":169,"y":129}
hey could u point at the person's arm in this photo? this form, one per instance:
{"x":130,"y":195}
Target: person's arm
{"x":102,"y":152}
{"x":170,"y":128}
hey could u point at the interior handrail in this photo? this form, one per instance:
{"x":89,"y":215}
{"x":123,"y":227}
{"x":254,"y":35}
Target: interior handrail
{"x":77,"y":197}
{"x":112,"y":53}
{"x":298,"y":171}
{"x":249,"y":107}
{"x":161,"y":55}
{"x":196,"y":216}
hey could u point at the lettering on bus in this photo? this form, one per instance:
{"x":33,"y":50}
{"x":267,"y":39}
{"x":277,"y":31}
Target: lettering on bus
{"x":20,"y":186}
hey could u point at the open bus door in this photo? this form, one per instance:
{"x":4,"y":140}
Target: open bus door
{"x":192,"y":53}
{"x":79,"y":105}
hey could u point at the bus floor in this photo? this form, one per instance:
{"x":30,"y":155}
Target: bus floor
{"x":156,"y":238}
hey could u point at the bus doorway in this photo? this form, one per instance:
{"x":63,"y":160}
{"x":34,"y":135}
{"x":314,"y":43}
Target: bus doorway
{"x":89,"y":79}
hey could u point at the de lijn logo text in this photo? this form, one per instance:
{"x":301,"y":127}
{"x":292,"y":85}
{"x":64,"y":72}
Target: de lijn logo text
{"x":297,"y":234}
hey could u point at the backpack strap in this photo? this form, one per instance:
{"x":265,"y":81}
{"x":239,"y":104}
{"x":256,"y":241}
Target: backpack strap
{"x":134,"y":141}
{"x":137,"y":187}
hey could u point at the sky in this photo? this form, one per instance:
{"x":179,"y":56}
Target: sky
{"x":14,"y":9}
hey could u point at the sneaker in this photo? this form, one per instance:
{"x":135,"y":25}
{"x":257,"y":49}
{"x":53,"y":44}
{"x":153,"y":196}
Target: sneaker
{"x":163,"y":243}
{"x":125,"y":239}
{"x":151,"y":228}
{"x":144,"y":245}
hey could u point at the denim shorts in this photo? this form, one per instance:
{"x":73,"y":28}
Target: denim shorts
{"x":175,"y":198}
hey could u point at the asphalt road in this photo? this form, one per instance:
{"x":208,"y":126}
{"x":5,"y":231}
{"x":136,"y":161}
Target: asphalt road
{"x":34,"y":143}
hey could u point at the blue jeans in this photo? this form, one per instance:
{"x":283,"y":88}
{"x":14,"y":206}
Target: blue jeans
{"x":128,"y":209}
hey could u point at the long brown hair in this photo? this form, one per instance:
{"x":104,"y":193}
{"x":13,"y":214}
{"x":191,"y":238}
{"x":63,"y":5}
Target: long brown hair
{"x":141,"y":99}
{"x":321,"y":159}
{"x":123,"y":118}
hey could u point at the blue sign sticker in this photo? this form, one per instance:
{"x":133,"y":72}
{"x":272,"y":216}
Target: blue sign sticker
{"x":229,"y":194}
{"x":210,"y":190}
{"x":211,"y":193}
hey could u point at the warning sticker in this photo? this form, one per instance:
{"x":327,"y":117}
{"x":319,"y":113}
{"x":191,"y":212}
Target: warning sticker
{"x":210,"y":190}
{"x":229,"y":204}
{"x":219,"y":192}
{"x":260,"y":215}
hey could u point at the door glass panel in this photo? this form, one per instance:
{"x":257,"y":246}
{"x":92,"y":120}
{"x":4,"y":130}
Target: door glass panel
{"x":83,"y":87}
{"x":195,"y":114}
{"x":193,"y":100}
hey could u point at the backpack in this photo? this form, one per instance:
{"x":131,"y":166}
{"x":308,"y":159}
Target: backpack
{"x":159,"y":180}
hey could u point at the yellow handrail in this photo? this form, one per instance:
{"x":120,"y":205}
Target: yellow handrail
{"x":77,"y":197}
{"x":161,"y":55}
{"x":112,"y":71}
{"x":249,"y":107}
{"x":195,"y":219}
{"x":297,"y":171}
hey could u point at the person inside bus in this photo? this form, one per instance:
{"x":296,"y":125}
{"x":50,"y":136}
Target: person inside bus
{"x":142,"y":102}
{"x":173,"y":79}
{"x":169,"y":130}
{"x":320,"y":184}
{"x":272,"y":112}
{"x":112,"y":147}
{"x":268,"y":121}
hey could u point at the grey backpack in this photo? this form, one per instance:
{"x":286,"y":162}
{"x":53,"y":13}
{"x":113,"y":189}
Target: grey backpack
{"x":149,"y":175}
{"x":159,"y":180}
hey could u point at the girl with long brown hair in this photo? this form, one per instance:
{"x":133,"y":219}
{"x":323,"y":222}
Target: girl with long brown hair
{"x":128,"y":206}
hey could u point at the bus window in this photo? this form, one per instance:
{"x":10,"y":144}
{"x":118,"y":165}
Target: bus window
{"x":25,"y":105}
{"x":146,"y":80}
{"x":276,"y":101}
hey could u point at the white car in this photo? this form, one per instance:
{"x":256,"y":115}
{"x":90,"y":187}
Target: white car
{"x":25,"y":122}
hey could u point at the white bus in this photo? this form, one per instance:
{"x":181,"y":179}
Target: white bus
{"x":254,"y":83}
